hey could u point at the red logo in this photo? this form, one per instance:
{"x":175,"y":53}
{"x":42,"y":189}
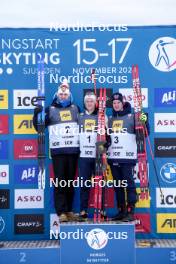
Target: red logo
{"x":109,"y":198}
{"x":25,"y":148}
{"x":4,"y":124}
{"x":142,"y":222}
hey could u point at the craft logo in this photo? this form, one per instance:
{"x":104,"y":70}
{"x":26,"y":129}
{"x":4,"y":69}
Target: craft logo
{"x":3,"y":149}
{"x":25,"y":149}
{"x":128,"y":96}
{"x":97,"y":239}
{"x":168,"y":172}
{"x":165,"y":147}
{"x":162,"y":54}
{"x":2,"y":225}
{"x":29,"y":224}
{"x":142,"y":223}
{"x":25,"y":99}
{"x":142,"y":203}
{"x":165,"y":97}
{"x":4,"y":124}
{"x":166,"y":223}
{"x":165,"y":122}
{"x":89,"y":125}
{"x":65,"y":116}
{"x":23,"y":124}
{"x":26,"y":174}
{"x":4,"y":174}
{"x":29,"y":198}
{"x":3,"y":99}
{"x":168,"y":199}
{"x":4,"y":199}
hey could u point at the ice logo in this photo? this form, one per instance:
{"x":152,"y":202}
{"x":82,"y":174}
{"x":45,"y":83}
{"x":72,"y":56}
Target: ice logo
{"x":2,"y":224}
{"x":97,"y":238}
{"x":162,"y":54}
{"x":168,"y":172}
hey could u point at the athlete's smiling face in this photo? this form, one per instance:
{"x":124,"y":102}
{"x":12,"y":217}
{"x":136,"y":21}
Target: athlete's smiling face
{"x":90,"y":105}
{"x":117,"y":105}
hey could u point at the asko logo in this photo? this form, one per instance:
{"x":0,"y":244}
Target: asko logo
{"x":4,"y":174}
{"x":3,"y":99}
{"x":128,"y":96}
{"x":142,"y":223}
{"x":29,"y":224}
{"x":166,"y":223}
{"x":29,"y":198}
{"x":25,"y":99}
{"x":25,"y":149}
{"x":23,"y":124}
{"x":165,"y":122}
{"x":4,"y":124}
{"x":165,"y":147}
{"x":168,"y":200}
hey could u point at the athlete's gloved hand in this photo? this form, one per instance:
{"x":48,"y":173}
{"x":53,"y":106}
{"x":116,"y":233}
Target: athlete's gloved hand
{"x":38,"y":109}
{"x":143,"y":117}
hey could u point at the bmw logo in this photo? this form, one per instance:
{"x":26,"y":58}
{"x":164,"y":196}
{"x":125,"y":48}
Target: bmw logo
{"x":168,"y":172}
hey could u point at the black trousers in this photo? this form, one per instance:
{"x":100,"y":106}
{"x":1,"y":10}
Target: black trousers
{"x":124,"y":171}
{"x":64,"y":166}
{"x":86,"y":170}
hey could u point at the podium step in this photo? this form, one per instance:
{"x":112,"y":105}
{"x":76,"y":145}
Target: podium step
{"x":48,"y":251}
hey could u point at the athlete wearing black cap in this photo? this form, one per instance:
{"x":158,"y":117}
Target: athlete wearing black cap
{"x":122,"y":155}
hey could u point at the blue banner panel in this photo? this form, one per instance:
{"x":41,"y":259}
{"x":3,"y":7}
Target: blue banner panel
{"x":73,"y":54}
{"x":97,"y":244}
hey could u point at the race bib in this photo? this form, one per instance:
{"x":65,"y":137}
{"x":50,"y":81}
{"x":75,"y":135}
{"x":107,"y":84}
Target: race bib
{"x":87,"y":142}
{"x":64,"y":135}
{"x":123,"y":146}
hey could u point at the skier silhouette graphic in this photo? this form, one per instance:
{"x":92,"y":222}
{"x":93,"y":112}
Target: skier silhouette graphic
{"x":162,"y":54}
{"x":95,"y":240}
